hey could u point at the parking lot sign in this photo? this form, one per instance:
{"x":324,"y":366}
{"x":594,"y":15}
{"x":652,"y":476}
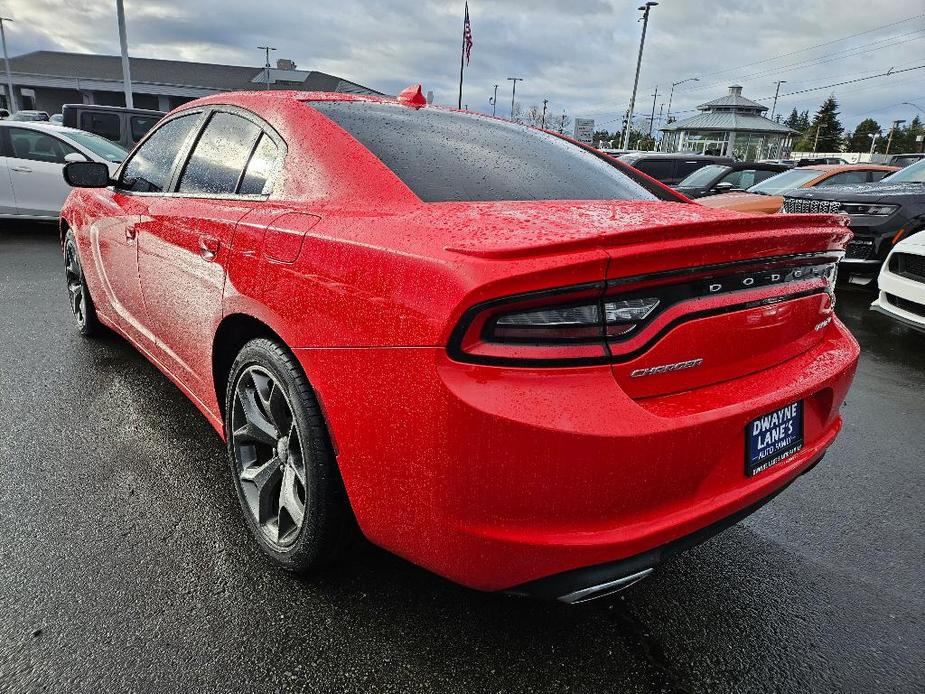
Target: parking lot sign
{"x":584,"y":129}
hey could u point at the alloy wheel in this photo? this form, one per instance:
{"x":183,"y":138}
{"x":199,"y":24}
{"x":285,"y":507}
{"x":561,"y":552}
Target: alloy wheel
{"x":268,"y":454}
{"x":75,"y":286}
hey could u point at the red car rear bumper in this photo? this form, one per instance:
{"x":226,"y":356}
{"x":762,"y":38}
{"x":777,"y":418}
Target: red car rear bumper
{"x":496,"y":477}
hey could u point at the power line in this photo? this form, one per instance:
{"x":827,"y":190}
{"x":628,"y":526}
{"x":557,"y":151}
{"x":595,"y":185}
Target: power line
{"x":818,"y":45}
{"x":821,"y":60}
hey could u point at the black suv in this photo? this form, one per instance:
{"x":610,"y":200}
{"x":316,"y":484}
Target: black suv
{"x":880,"y":215}
{"x":670,"y":169}
{"x":723,"y":178}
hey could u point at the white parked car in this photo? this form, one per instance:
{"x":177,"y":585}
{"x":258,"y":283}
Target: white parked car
{"x":902,"y":283}
{"x":32,"y":185}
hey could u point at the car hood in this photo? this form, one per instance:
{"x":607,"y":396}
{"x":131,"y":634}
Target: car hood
{"x":862,"y":192}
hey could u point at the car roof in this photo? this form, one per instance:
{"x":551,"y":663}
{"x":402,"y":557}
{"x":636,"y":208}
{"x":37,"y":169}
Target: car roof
{"x":40,"y":125}
{"x":838,"y":168}
{"x":117,"y":109}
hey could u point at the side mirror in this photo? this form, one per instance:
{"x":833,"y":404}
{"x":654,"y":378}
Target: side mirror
{"x":74,"y":156}
{"x":723,"y":187}
{"x":86,"y":174}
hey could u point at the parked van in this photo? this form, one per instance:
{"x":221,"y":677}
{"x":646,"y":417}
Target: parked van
{"x":125,"y":126}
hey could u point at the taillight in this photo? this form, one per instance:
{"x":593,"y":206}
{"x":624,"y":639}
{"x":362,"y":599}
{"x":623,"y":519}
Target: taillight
{"x":599,"y":322}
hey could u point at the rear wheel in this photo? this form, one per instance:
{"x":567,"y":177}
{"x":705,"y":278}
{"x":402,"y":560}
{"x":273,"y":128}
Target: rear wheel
{"x":281,"y":459}
{"x":79,"y":299}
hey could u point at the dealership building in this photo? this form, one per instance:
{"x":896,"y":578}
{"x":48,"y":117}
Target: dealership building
{"x":46,"y":80}
{"x":731,"y":126}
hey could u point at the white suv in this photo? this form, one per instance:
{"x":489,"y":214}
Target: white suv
{"x":902,"y":283}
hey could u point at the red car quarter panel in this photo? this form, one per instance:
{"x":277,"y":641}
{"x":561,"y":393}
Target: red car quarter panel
{"x":528,"y":367}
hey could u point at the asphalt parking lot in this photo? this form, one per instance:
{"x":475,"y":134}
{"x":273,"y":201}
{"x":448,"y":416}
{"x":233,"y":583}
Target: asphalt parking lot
{"x":124,"y":564}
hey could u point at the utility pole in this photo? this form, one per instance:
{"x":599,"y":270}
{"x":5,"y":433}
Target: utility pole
{"x":642,"y":42}
{"x":494,"y":101}
{"x":543,"y":125}
{"x":661,"y":107}
{"x":266,"y":68}
{"x":896,"y":124}
{"x":515,"y":80}
{"x":776,"y":92}
{"x":123,"y":43}
{"x":671,"y":94}
{"x":6,"y":60}
{"x":652,"y":117}
{"x":816,"y":141}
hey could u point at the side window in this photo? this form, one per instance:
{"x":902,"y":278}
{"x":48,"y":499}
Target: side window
{"x":656,"y":168}
{"x":739,"y":179}
{"x":259,"y":167}
{"x":220,"y":155}
{"x":106,"y":124}
{"x":762,"y":175}
{"x":685,"y":168}
{"x":877,"y":175}
{"x":845,"y":177}
{"x":140,"y":125}
{"x":148,"y":171}
{"x":37,"y":146}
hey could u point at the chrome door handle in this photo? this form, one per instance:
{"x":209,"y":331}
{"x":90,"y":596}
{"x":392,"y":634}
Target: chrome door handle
{"x":208,"y":247}
{"x":21,"y":169}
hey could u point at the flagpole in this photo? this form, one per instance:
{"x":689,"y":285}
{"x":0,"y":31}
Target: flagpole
{"x":462,"y":57}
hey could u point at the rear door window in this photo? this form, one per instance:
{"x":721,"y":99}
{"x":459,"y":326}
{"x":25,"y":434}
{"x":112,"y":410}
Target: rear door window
{"x":109,"y":125}
{"x":845,"y":177}
{"x":217,"y":161}
{"x":659,"y":169}
{"x":686,"y":168}
{"x":259,"y":167}
{"x":37,"y":146}
{"x":877,"y":175}
{"x":140,"y":125}
{"x":150,"y":168}
{"x":446,"y":155}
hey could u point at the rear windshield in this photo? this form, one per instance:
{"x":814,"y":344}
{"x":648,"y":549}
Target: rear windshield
{"x":782,"y":182}
{"x":448,"y":156}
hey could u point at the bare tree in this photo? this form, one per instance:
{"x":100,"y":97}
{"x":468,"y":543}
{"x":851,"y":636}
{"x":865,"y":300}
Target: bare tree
{"x":562,"y":122}
{"x":519,"y":116}
{"x":534,"y":116}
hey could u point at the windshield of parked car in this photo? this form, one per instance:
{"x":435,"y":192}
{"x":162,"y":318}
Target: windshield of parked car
{"x":449,"y":156}
{"x":704,"y":176}
{"x":100,"y":146}
{"x":784,"y":181}
{"x":911,"y":174}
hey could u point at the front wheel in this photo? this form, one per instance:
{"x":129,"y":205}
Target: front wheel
{"x":284,"y":470}
{"x":79,"y":299}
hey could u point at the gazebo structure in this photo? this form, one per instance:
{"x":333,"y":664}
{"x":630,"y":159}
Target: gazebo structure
{"x":731,"y":126}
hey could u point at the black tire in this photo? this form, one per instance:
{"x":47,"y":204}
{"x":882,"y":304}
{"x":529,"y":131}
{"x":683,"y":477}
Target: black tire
{"x":265,"y":382}
{"x":79,"y":299}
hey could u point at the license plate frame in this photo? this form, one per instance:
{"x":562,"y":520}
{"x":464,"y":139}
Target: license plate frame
{"x":773,"y":437}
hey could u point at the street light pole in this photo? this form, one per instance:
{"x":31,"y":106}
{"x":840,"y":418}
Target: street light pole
{"x":642,"y":42}
{"x":6,"y":60}
{"x":652,"y":117}
{"x":543,"y":126}
{"x":896,"y":124}
{"x":266,"y":68}
{"x":515,"y":80}
{"x":671,"y":94}
{"x":123,"y":44}
{"x":776,"y":92}
{"x":494,"y":101}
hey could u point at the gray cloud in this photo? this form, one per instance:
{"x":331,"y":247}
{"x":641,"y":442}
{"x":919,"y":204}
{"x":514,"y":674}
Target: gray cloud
{"x":578,"y":54}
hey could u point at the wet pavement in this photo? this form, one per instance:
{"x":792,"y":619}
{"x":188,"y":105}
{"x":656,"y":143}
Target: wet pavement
{"x":124,"y":563}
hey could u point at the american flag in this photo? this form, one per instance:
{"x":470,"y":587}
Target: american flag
{"x":467,"y":35}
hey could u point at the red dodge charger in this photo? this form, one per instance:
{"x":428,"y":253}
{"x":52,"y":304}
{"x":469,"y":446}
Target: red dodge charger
{"x":503,"y":355}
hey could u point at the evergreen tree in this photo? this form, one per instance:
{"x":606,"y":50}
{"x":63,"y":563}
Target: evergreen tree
{"x":860,"y":140}
{"x":825,"y":132}
{"x":793,"y":120}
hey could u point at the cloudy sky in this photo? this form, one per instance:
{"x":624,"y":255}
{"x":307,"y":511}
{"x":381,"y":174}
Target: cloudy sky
{"x":579,"y":54}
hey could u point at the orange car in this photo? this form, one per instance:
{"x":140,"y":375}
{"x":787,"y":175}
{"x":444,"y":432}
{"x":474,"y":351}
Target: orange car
{"x":767,"y":197}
